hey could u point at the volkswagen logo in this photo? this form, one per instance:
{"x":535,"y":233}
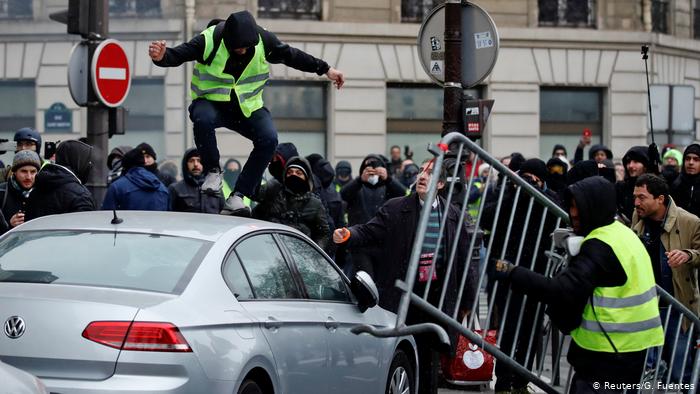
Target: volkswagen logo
{"x":14,"y":327}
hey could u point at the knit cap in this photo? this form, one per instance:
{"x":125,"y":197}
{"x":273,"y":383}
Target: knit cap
{"x":26,"y":158}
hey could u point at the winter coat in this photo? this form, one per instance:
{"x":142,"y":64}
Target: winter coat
{"x":58,"y":190}
{"x":681,"y":231}
{"x":186,"y":195}
{"x":569,"y":290}
{"x":12,"y":199}
{"x":393,"y":229}
{"x":304,"y":211}
{"x":364,"y":199}
{"x":625,"y":189}
{"x":685,"y":190}
{"x":137,"y":190}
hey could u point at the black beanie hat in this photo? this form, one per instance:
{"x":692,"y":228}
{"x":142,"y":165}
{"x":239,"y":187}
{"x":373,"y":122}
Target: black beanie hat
{"x":144,"y":148}
{"x":692,"y":148}
{"x":535,"y":167}
{"x":133,"y":158}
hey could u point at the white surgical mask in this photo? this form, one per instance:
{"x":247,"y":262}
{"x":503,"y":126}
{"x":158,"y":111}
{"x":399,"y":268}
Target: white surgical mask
{"x":373,"y":179}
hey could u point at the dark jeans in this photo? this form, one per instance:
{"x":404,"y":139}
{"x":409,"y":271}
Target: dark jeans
{"x":685,"y":346}
{"x":258,"y":128}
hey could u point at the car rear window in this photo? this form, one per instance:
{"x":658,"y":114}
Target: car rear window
{"x":106,"y":259}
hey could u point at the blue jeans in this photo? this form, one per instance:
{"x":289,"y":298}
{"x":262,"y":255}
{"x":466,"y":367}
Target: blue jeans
{"x":258,"y":128}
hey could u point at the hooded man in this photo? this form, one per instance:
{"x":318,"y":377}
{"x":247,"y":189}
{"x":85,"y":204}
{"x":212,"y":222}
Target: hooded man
{"x":15,"y":193}
{"x":343,"y":174}
{"x":227,"y":90}
{"x":292,"y":202}
{"x":59,"y":187}
{"x":323,"y":175}
{"x":611,"y":266}
{"x":366,"y":193}
{"x":186,"y":195}
{"x":672,"y":163}
{"x":232,"y":169}
{"x":138,"y":189}
{"x":114,"y":162}
{"x":636,"y":162}
{"x":683,"y":188}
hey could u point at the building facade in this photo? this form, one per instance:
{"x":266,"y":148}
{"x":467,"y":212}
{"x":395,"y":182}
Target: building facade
{"x":563,"y":65}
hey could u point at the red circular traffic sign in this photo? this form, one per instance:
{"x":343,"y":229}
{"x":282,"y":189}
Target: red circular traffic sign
{"x":110,"y":73}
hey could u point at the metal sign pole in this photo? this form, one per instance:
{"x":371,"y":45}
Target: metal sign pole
{"x":98,"y":114}
{"x":452,"y":120}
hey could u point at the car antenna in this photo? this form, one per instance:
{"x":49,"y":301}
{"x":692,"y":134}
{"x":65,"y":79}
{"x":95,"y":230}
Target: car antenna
{"x":116,"y":220}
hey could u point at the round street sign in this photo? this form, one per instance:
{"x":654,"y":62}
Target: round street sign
{"x":110,"y":73}
{"x":480,"y":45}
{"x":78,"y":74}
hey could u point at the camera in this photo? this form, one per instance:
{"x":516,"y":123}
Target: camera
{"x":50,"y":149}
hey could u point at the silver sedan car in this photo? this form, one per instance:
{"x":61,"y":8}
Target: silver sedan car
{"x":187,"y":303}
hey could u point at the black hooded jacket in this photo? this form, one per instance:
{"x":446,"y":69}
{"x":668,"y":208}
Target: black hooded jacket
{"x":568,"y":292}
{"x":59,"y":187}
{"x":685,"y":190}
{"x":624,"y":190}
{"x":302,"y":211}
{"x":364,"y":199}
{"x":186,"y":195}
{"x":244,"y":32}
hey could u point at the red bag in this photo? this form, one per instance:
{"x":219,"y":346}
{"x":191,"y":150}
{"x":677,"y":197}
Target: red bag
{"x":471,"y":364}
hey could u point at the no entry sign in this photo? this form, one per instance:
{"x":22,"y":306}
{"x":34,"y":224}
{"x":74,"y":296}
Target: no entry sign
{"x":110,"y":73}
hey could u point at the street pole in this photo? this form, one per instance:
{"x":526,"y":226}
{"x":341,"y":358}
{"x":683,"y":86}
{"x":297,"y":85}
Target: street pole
{"x":452,"y":119}
{"x":98,"y":114}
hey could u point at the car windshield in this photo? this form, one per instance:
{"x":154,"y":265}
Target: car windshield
{"x":122,"y":260}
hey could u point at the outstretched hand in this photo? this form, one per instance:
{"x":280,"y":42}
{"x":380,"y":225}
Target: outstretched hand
{"x":341,"y":235}
{"x":336,"y":76}
{"x":157,"y":50}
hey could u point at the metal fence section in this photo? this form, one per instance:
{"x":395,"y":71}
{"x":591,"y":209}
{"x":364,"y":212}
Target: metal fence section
{"x":516,"y":220}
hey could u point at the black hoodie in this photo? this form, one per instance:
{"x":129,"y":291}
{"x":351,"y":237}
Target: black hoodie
{"x":303,"y":211}
{"x":625,"y":189}
{"x":243,"y":23}
{"x":363,"y":198}
{"x":568,"y":292}
{"x":186,"y":195}
{"x":59,"y":187}
{"x":685,"y":190}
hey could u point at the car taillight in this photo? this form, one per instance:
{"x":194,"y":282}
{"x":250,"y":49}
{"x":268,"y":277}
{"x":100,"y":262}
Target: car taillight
{"x":141,"y":336}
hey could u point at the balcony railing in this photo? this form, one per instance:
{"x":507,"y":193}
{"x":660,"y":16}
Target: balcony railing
{"x":414,"y":11}
{"x":134,"y":8}
{"x":16,"y":9}
{"x":567,"y":13}
{"x":290,"y":9}
{"x":659,"y":16}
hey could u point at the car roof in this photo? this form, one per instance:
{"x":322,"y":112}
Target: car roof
{"x":207,"y":227}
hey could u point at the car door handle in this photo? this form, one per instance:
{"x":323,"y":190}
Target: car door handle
{"x":271,"y":323}
{"x":332,"y":324}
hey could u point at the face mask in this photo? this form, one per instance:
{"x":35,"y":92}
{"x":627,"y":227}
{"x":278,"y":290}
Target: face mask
{"x":373,"y":179}
{"x":296,"y":185}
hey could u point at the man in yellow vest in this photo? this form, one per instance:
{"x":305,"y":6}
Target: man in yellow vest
{"x":227,"y":83}
{"x":606,"y":296}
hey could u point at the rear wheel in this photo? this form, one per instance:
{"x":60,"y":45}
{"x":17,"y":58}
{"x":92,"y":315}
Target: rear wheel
{"x":249,"y":387}
{"x":400,"y":375}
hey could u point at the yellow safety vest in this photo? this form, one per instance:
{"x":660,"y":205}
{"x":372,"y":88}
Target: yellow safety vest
{"x":629,"y":314}
{"x":212,"y":83}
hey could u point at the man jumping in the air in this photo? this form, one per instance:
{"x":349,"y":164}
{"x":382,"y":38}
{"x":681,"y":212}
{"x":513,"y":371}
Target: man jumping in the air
{"x":227,"y":84}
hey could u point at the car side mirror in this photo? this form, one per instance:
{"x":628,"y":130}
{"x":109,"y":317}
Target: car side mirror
{"x":365,"y":290}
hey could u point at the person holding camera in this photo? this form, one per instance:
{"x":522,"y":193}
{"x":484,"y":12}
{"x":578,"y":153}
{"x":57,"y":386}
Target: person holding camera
{"x":292,"y":202}
{"x":14,"y":193}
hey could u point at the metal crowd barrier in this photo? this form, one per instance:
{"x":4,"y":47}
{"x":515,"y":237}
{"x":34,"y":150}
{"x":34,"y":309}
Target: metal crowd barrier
{"x":520,"y":321}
